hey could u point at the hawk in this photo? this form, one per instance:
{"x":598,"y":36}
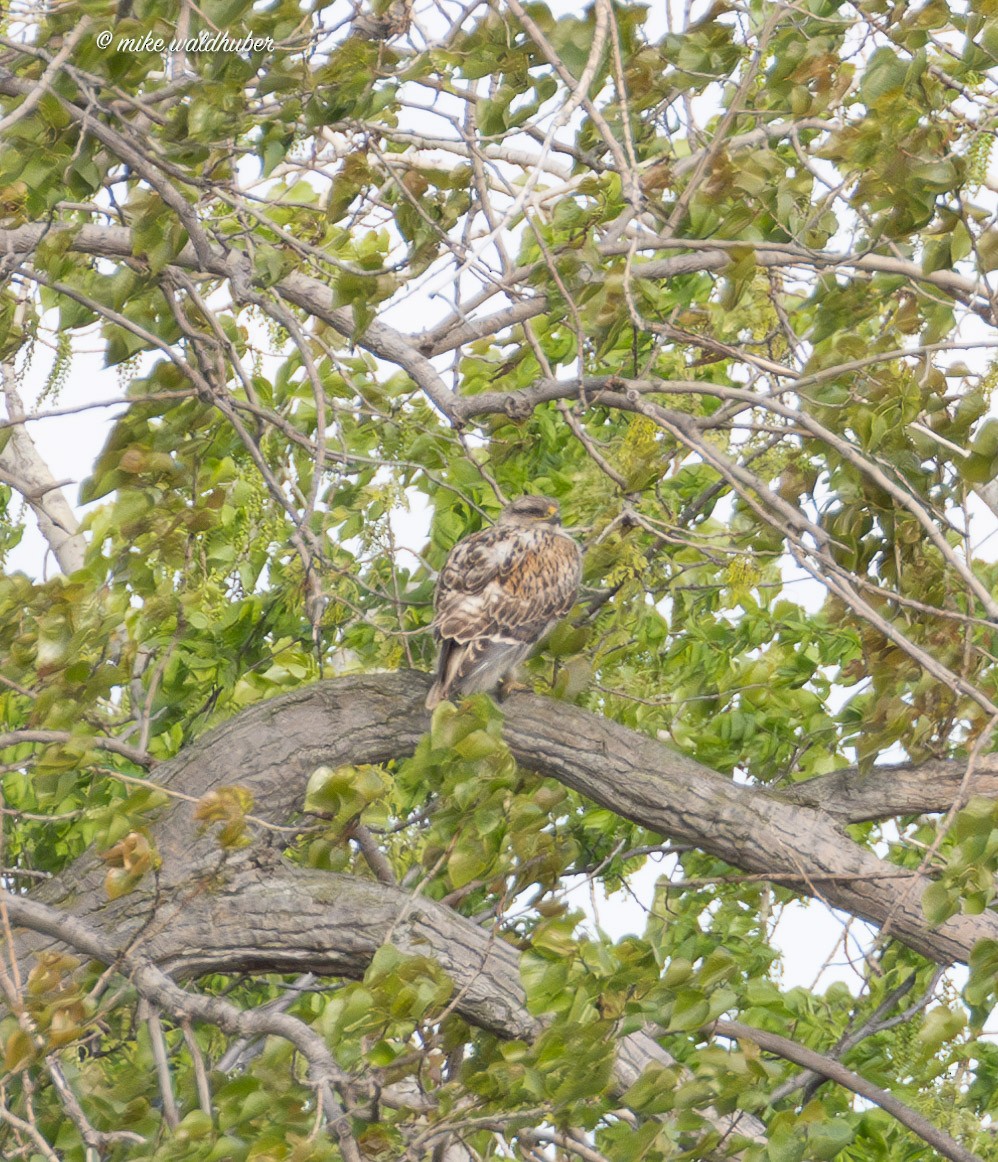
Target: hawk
{"x":501,"y":590}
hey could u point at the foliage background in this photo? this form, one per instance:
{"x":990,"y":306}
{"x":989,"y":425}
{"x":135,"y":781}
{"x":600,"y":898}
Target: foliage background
{"x":723,"y":284}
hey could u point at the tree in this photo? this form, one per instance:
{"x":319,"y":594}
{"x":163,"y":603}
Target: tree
{"x":722,"y":287}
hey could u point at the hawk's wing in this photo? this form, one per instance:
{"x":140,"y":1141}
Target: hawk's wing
{"x":498,"y":594}
{"x":507,"y":585}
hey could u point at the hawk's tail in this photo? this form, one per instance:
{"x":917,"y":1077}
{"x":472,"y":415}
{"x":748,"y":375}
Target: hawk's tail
{"x":471,"y":667}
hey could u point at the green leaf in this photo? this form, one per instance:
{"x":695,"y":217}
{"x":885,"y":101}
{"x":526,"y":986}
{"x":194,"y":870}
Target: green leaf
{"x":941,"y":1024}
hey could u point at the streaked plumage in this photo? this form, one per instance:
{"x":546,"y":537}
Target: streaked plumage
{"x":501,"y":590}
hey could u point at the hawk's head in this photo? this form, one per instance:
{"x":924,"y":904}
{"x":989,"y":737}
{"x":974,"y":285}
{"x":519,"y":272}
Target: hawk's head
{"x":528,"y":511}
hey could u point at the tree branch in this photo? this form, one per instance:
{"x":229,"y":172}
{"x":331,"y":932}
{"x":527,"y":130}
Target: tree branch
{"x":23,"y":467}
{"x":852,"y":796}
{"x":266,"y":917}
{"x":834,"y":1071}
{"x":288,"y":919}
{"x":407,"y":351}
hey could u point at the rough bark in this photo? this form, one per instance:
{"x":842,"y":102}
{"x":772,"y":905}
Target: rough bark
{"x":285,"y":919}
{"x":273,"y":747}
{"x":251,"y":911}
{"x":853,"y":796}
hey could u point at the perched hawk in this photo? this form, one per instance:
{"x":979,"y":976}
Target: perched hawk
{"x":499,"y":593}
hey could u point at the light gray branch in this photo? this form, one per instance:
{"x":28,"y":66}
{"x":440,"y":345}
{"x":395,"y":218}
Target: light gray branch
{"x":407,"y":351}
{"x":25,"y":470}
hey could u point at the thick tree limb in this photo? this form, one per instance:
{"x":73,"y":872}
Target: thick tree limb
{"x":155,"y":987}
{"x":851,"y":796}
{"x":279,"y":918}
{"x":751,"y":828}
{"x":268,"y":917}
{"x":273,"y":747}
{"x":252,"y":913}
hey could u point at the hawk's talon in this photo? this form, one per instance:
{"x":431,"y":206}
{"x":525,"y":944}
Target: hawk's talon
{"x":510,"y":685}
